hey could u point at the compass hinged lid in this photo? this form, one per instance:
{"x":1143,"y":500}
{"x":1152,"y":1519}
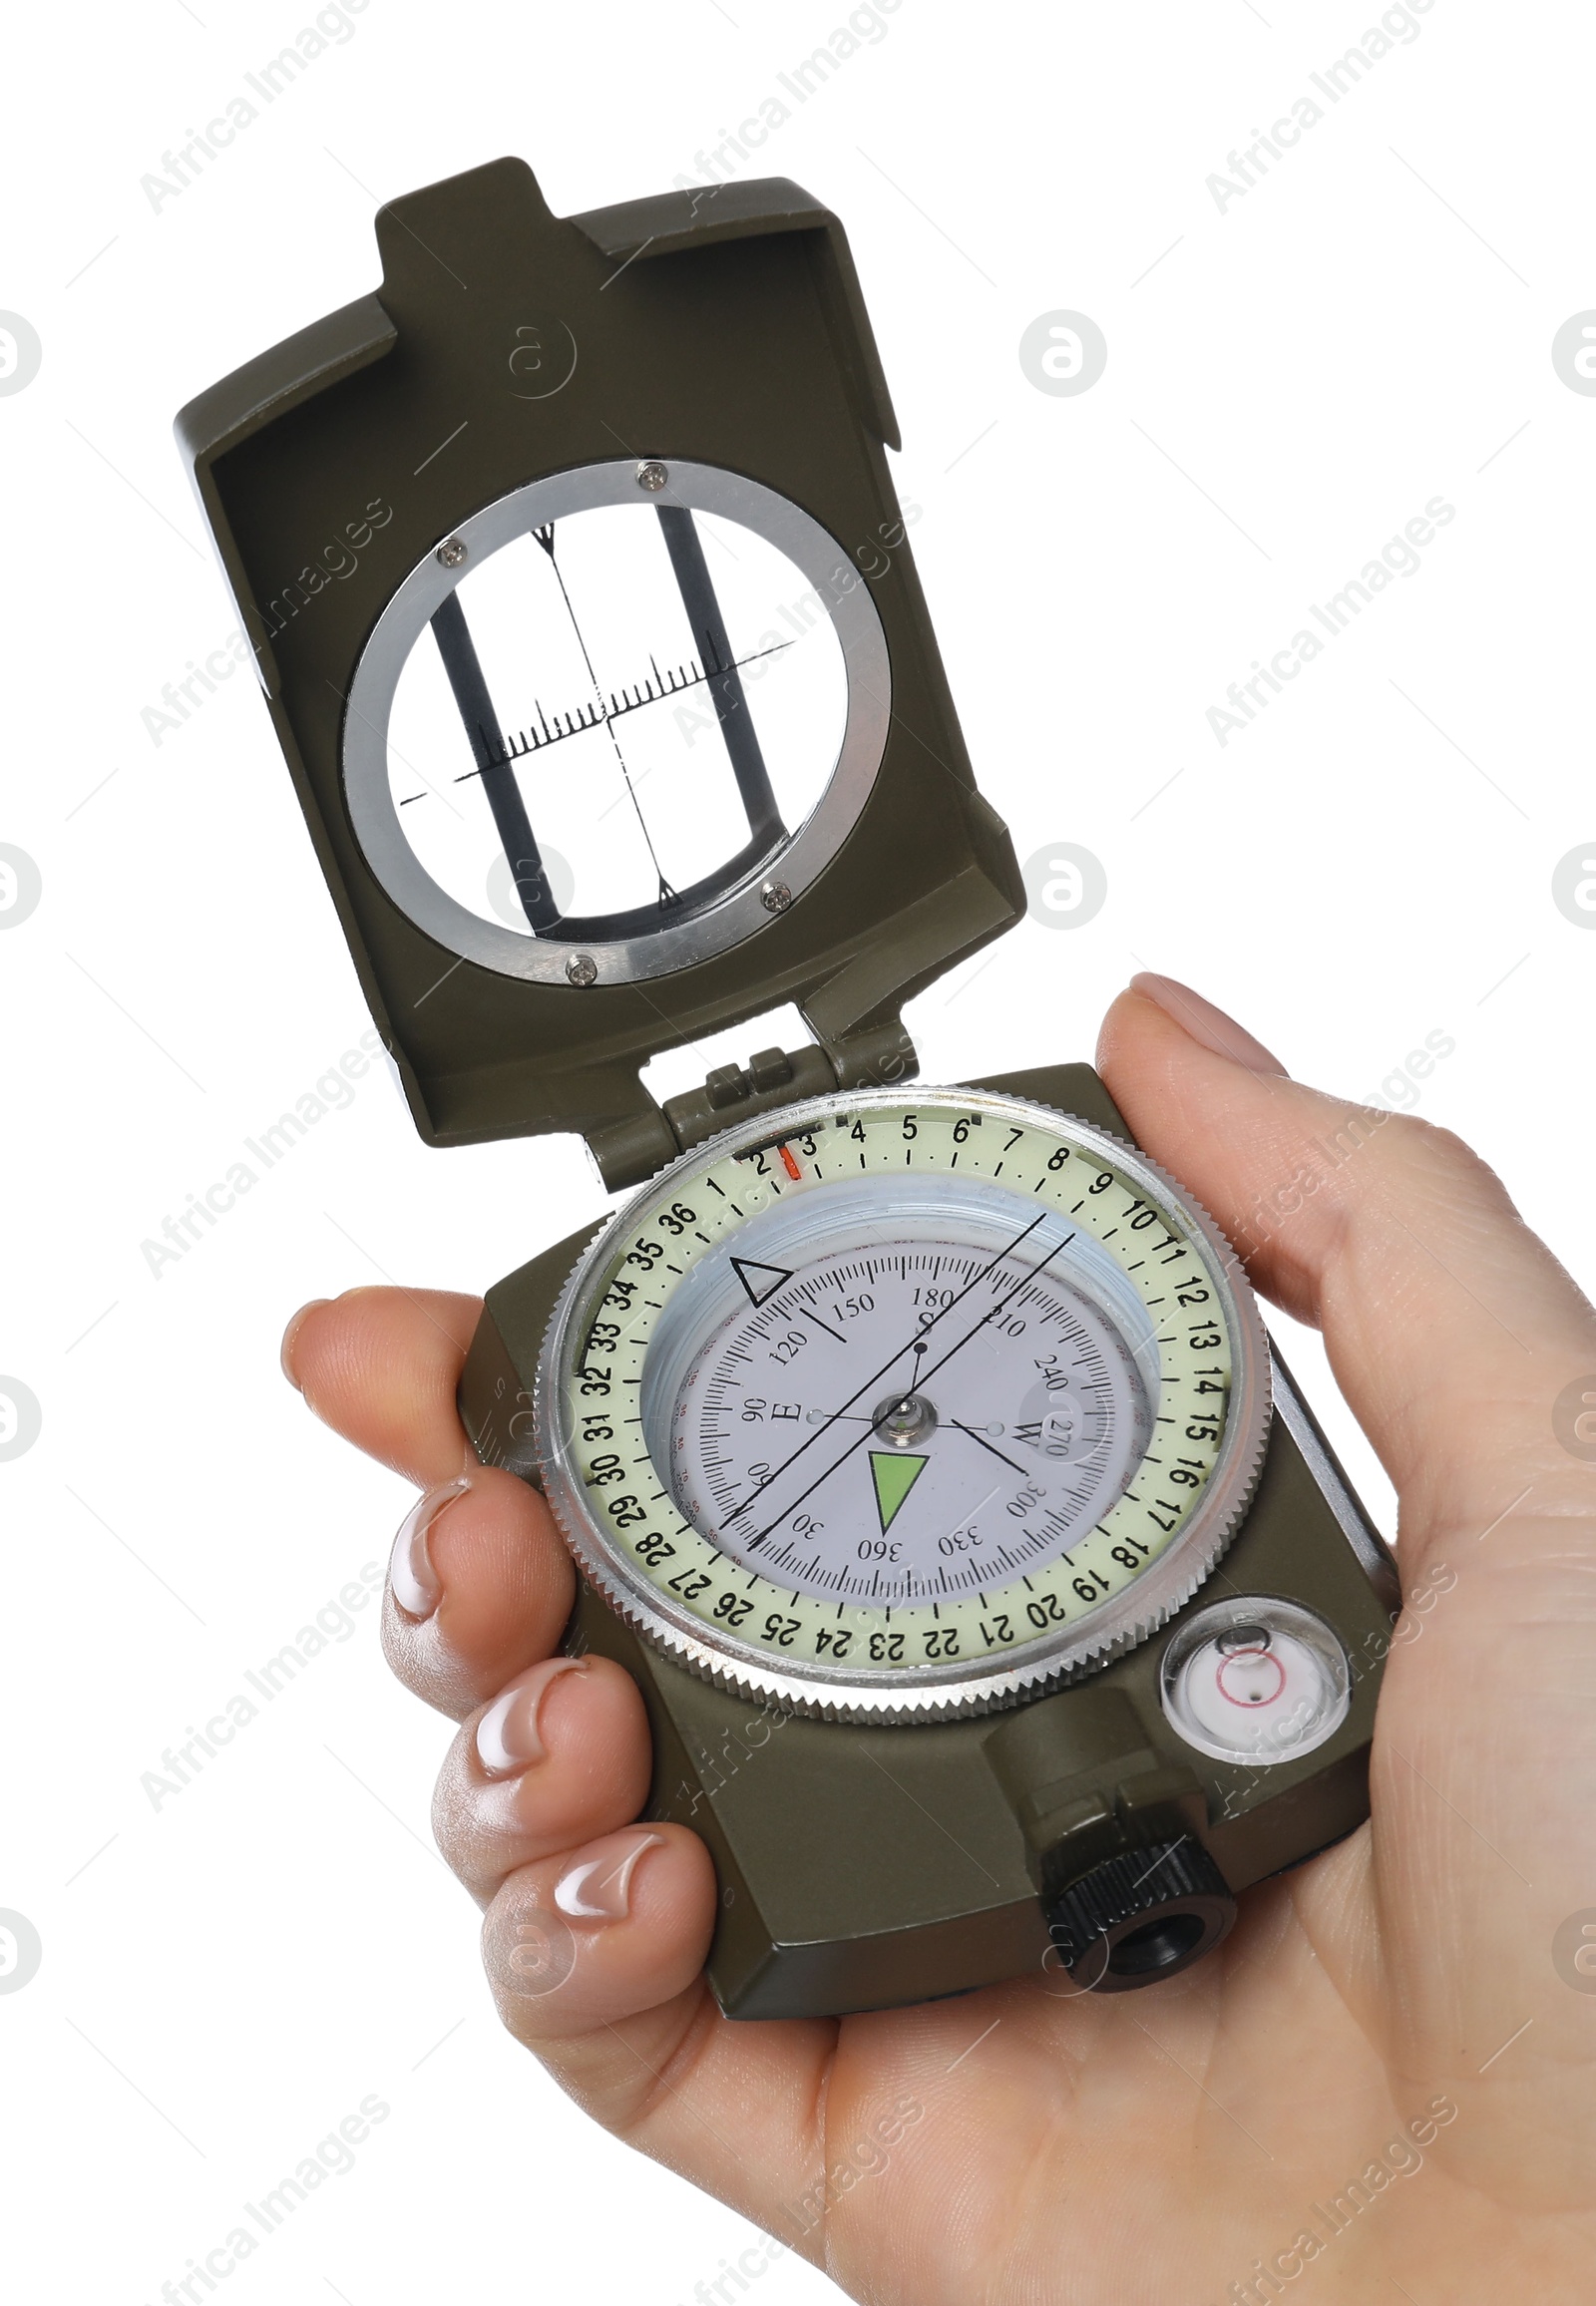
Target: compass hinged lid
{"x":584,"y":604}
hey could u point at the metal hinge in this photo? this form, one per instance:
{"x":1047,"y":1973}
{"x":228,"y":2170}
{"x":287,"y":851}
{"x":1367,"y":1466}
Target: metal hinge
{"x":876,"y":1056}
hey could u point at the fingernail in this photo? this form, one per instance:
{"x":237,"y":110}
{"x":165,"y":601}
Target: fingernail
{"x":288,"y":1336}
{"x":1206,"y":1023}
{"x":412,"y":1580}
{"x":598,"y":1887}
{"x":506,"y":1736}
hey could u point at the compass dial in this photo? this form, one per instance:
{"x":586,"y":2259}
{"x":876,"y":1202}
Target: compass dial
{"x":925,"y":1403}
{"x":907,"y":1499}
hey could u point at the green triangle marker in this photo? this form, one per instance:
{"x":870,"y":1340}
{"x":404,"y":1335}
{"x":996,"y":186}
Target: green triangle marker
{"x":895,"y":1474}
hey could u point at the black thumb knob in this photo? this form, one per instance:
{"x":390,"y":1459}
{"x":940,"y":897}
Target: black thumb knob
{"x":1141,"y":1916}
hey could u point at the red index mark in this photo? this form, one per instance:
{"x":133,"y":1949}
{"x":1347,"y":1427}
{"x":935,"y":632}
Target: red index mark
{"x":789,"y":1164}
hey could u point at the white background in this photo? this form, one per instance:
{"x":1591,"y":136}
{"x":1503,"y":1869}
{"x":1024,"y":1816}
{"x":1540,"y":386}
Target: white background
{"x":1294,"y":378}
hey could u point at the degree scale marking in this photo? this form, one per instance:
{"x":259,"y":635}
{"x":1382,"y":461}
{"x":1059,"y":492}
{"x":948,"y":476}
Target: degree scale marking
{"x":1195,"y":1387}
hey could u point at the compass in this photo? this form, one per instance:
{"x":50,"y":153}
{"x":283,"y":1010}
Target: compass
{"x":997,"y":1603}
{"x":934,"y":1402}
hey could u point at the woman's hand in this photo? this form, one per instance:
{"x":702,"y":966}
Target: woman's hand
{"x":1381,"y":2085}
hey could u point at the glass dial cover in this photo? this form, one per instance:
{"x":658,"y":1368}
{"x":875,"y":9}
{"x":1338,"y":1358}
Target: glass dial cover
{"x":925,"y":1403}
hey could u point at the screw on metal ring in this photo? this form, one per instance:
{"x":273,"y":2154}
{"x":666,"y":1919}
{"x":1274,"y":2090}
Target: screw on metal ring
{"x":774,"y":895}
{"x":581,"y":968}
{"x":450,"y":553}
{"x":653,"y":476}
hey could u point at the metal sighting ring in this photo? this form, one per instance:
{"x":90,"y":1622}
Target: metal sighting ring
{"x":840,"y":592}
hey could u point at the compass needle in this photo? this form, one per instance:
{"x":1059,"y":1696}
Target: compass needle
{"x":893,"y":1477}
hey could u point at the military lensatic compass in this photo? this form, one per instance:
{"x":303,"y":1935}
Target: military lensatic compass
{"x":997,"y":1603}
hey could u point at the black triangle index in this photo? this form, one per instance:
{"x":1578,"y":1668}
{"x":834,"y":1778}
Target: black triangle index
{"x":760,"y":1281}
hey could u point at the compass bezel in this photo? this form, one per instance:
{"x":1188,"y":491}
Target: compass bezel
{"x":729,"y":917}
{"x":968,"y":1685}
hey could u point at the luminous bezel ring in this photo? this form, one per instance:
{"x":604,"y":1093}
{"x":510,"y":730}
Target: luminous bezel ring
{"x":968,"y":1685}
{"x":843,"y":594}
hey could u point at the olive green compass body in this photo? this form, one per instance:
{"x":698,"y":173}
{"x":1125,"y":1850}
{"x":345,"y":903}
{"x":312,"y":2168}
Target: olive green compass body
{"x":995,"y":1599}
